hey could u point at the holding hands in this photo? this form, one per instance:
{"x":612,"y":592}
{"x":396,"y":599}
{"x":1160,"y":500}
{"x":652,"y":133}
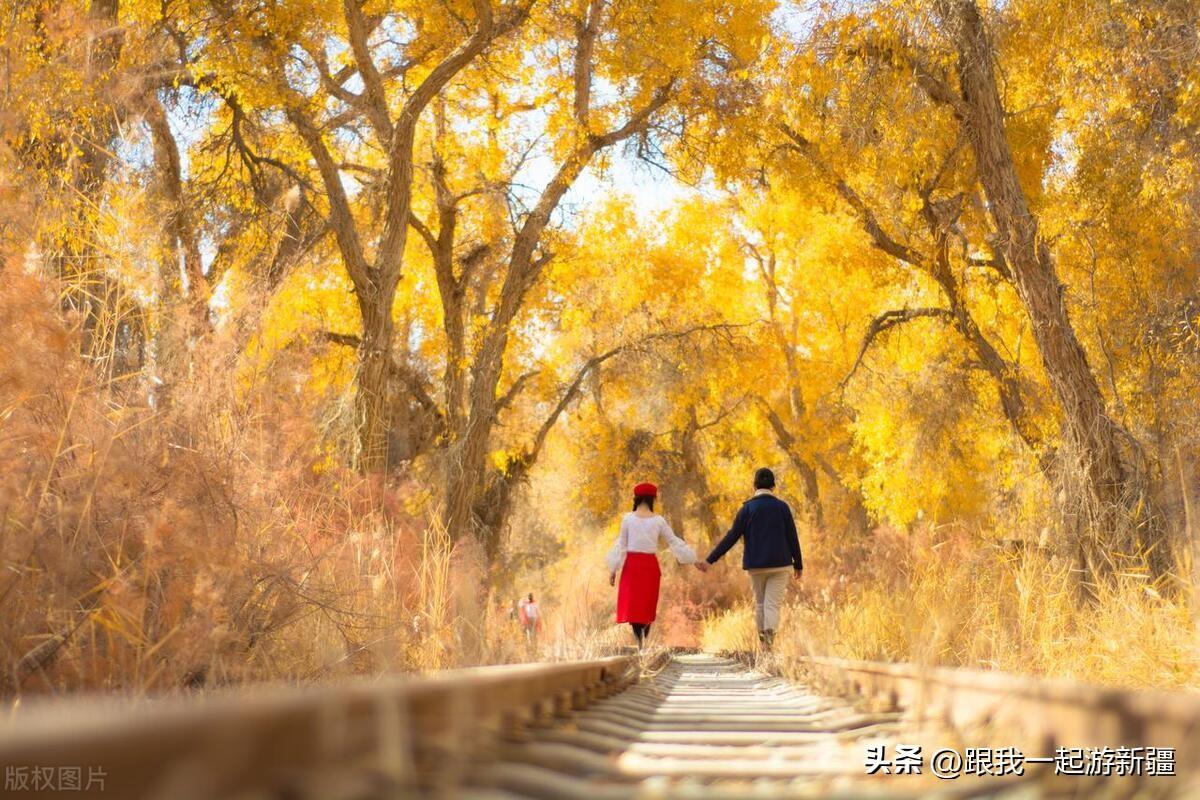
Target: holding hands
{"x":702,"y":566}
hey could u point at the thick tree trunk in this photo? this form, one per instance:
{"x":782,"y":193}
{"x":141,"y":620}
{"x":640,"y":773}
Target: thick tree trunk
{"x":1112,"y":515}
{"x":372,"y":398}
{"x":454,"y":376}
{"x":467,"y":456}
{"x":466,"y":470}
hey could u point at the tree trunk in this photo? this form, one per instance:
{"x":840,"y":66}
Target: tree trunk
{"x":467,"y":456}
{"x":89,"y":289}
{"x":697,"y":476}
{"x":1111,"y":510}
{"x":466,"y":468}
{"x":375,"y":281}
{"x":808,"y":474}
{"x":1008,"y":384}
{"x":181,"y":317}
{"x":372,"y":399}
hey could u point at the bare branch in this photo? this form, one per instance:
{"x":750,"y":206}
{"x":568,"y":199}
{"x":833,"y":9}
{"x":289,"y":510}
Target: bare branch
{"x":573,"y":388}
{"x":423,"y":229}
{"x":506,"y":399}
{"x":638,"y":121}
{"x":888,"y":320}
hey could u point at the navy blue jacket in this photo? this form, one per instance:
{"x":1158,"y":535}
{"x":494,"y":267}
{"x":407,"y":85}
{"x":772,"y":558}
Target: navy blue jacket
{"x":769,"y":530}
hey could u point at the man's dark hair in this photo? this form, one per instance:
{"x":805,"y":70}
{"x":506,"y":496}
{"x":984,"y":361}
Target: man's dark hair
{"x":764,"y":478}
{"x":643,"y":499}
{"x":531,"y":595}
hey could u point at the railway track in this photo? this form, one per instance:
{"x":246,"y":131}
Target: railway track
{"x":703,"y":726}
{"x":684,"y":726}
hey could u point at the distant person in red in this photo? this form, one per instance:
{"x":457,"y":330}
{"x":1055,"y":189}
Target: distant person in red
{"x":634,"y":555}
{"x":531,"y":618}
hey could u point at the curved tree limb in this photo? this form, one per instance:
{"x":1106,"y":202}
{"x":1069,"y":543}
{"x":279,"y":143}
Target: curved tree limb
{"x":885,"y":322}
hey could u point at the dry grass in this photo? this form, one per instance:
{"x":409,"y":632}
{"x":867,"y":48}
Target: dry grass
{"x":955,"y":600}
{"x":150,"y":545}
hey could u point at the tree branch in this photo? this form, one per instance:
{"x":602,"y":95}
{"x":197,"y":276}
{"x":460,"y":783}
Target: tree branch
{"x":881,"y":239}
{"x":935,"y":86}
{"x":340,"y":215}
{"x":405,"y":373}
{"x":374,"y":95}
{"x":423,"y":229}
{"x":400,"y":154}
{"x":886,"y":321}
{"x":506,"y":399}
{"x":573,"y":388}
{"x":639,"y":119}
{"x":344,"y":339}
{"x":586,"y":30}
{"x":303,"y":228}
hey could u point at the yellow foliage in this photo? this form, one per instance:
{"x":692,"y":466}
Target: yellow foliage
{"x":510,"y":267}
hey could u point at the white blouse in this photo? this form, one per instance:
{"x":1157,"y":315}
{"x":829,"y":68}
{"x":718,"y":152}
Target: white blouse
{"x":641,"y":535}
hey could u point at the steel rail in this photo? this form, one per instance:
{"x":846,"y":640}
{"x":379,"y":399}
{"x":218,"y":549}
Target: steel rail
{"x":1053,"y":712}
{"x":391,"y":737}
{"x":700,"y":718}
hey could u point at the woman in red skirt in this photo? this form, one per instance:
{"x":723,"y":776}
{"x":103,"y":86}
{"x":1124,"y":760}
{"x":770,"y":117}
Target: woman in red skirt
{"x":634,"y":555}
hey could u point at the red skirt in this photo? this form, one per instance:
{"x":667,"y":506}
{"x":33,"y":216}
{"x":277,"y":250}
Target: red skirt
{"x":637,"y":594}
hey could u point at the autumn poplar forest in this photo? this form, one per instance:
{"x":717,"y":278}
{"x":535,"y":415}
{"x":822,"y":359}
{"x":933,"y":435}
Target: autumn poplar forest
{"x":330,"y":329}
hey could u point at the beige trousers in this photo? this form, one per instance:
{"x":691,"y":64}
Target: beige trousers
{"x":769,"y":587}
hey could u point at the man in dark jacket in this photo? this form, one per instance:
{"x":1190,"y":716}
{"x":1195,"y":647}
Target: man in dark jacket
{"x":770,"y":551}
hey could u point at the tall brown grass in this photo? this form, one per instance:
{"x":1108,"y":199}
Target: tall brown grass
{"x":154,"y":540}
{"x":953,"y":598}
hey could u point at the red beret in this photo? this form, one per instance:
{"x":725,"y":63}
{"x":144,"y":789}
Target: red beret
{"x":645,"y":490}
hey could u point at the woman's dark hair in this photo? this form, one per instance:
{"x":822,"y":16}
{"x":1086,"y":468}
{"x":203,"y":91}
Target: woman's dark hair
{"x":638,"y":499}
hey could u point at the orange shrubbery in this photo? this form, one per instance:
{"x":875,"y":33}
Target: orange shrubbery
{"x":190,"y":545}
